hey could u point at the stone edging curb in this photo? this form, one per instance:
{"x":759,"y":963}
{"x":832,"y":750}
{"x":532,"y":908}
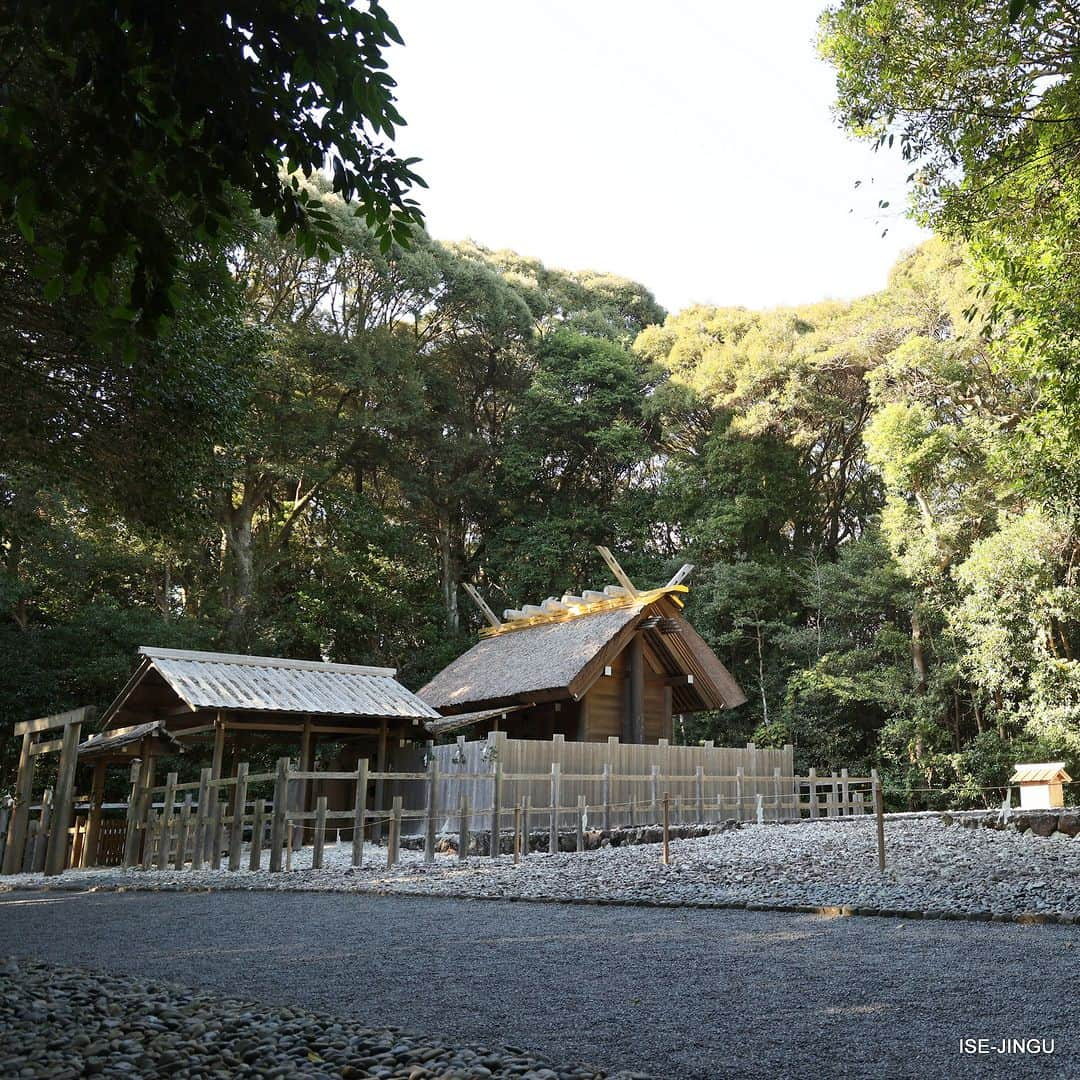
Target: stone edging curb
{"x":1024,"y":918}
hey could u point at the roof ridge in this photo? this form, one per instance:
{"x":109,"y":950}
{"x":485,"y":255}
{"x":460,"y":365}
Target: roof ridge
{"x":152,"y":653}
{"x":578,"y":611}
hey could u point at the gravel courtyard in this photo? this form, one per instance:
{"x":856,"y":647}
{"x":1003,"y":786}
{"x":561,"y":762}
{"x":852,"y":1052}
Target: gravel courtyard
{"x":682,"y":994}
{"x":933,"y":868}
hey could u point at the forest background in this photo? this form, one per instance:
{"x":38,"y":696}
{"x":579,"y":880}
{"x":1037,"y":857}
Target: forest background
{"x":319,"y":440}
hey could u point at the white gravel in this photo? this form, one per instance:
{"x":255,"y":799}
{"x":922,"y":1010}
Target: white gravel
{"x":932,"y":869}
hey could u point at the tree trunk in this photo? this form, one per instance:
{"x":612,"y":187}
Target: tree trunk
{"x":918,"y":656}
{"x":450,"y":562}
{"x":237,"y":528}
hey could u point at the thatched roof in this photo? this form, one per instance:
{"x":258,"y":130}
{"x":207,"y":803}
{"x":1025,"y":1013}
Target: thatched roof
{"x":565,"y":654}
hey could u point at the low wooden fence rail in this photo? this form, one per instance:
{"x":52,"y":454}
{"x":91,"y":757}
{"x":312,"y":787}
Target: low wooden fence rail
{"x":205,"y":822}
{"x":210,"y":829}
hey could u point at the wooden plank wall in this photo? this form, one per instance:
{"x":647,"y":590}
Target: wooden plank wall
{"x":630,"y":767}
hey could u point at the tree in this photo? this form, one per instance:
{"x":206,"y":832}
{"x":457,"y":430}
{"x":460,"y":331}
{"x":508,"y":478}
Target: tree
{"x":982,"y":98}
{"x":126,"y":127}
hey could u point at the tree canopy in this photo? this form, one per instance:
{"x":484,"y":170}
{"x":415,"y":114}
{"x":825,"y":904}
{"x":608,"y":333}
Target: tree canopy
{"x":127,"y":129}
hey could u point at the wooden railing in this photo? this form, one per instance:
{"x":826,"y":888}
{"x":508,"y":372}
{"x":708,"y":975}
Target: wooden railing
{"x":194,"y":834}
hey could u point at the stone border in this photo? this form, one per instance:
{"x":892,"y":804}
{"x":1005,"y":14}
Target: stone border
{"x":1023,"y":918}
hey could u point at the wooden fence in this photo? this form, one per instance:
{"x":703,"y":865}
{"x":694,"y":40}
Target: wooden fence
{"x":206,"y":822}
{"x":620,"y":782}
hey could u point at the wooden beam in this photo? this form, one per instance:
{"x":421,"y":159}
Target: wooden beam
{"x":47,"y":723}
{"x":617,"y":570}
{"x":681,"y":575}
{"x":49,"y":747}
{"x":478,"y":600}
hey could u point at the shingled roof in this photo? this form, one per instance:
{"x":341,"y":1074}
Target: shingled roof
{"x":229,"y":681}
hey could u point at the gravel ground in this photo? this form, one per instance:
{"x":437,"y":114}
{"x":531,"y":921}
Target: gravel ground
{"x":115,"y":1026}
{"x":683,"y":994}
{"x":932,"y":869}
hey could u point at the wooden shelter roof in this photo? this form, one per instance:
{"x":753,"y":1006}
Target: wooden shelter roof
{"x":119,"y":742}
{"x":1044,"y":772}
{"x":563,"y":649}
{"x":268,"y":684}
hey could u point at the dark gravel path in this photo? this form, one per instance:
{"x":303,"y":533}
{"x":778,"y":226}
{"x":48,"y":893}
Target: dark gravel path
{"x":680,"y":993}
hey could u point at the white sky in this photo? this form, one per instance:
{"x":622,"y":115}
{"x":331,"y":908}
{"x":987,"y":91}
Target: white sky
{"x":688,"y":145}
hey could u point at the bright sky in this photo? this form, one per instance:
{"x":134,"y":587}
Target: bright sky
{"x":688,"y":145}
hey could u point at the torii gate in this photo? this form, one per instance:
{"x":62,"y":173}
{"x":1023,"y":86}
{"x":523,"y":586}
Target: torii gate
{"x":63,"y":792}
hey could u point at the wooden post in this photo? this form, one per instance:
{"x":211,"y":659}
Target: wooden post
{"x":182,"y":833}
{"x":845,"y":794}
{"x":553,"y":825}
{"x":606,"y":796}
{"x":57,"y":858}
{"x":666,"y":827}
{"x":777,"y":797}
{"x":289,"y":830}
{"x":200,"y":848}
{"x":168,"y":803}
{"x":517,"y":831}
{"x":303,"y":787}
{"x":699,"y":793}
{"x":20,"y":816}
{"x":879,"y":810}
{"x":216,"y":826}
{"x":236,"y":835}
{"x":93,"y":822}
{"x":526,"y":824}
{"x":320,"y":834}
{"x":131,"y":838}
{"x":432,"y":807}
{"x":814,"y":808}
{"x":380,"y":767}
{"x":147,"y":821}
{"x":43,"y":837}
{"x":581,"y":823}
{"x":463,"y":828}
{"x":857,"y":803}
{"x":359,"y":812}
{"x":739,"y":774}
{"x":395,"y":834}
{"x":654,"y":791}
{"x":830,"y":802}
{"x":78,"y":836}
{"x":258,"y":827}
{"x":277,"y":826}
{"x":151,"y":831}
{"x":5,"y":819}
{"x":218,"y":758}
{"x":496,"y":795}
{"x":636,"y":677}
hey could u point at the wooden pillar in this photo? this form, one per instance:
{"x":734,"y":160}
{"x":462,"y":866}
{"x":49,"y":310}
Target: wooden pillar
{"x":20,"y":815}
{"x":218,"y":759}
{"x":93,"y":821}
{"x":277,"y":828}
{"x":380,"y":767}
{"x":636,"y":679}
{"x":63,"y":794}
{"x":303,"y":787}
